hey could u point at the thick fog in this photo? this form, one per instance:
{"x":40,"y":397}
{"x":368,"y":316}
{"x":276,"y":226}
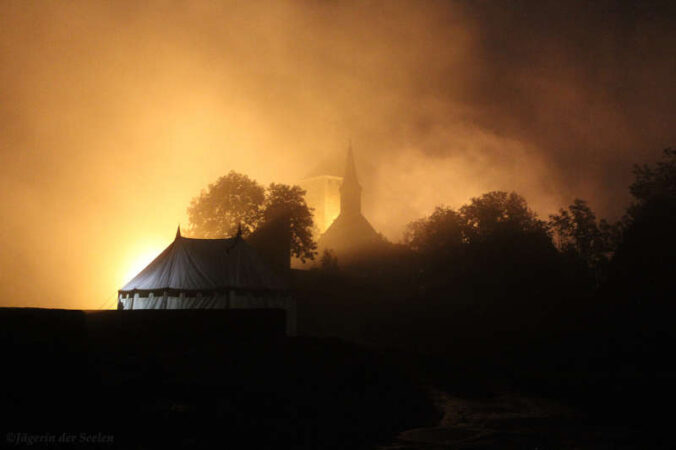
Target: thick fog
{"x":113,"y":115}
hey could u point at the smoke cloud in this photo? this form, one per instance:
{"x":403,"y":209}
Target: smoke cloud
{"x":115,"y":114}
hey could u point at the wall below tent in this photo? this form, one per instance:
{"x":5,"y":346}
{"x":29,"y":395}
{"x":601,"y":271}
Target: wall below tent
{"x":217,"y":301}
{"x":189,"y":328}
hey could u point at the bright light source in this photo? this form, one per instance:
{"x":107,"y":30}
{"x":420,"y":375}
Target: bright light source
{"x":142,"y":256}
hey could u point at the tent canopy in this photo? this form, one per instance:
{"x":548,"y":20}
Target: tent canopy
{"x":202,"y":265}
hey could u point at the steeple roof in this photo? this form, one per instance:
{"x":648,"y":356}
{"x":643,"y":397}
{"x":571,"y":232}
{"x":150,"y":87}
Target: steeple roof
{"x":350,"y":169}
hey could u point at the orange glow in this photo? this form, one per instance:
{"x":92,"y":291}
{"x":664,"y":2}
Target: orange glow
{"x":116,"y":114}
{"x":139,"y":257}
{"x":322,"y":194}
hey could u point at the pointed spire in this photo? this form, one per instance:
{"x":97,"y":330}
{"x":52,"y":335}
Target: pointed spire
{"x":350,"y":168}
{"x":239,"y":230}
{"x":178,"y":232}
{"x":350,"y":190}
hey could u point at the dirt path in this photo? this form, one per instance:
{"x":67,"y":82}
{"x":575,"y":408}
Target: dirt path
{"x":512,"y":422}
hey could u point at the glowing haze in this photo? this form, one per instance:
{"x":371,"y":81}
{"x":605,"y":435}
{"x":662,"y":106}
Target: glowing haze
{"x":113,"y":115}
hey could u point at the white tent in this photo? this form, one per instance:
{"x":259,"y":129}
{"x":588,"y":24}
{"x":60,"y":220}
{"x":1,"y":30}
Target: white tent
{"x":208,"y":274}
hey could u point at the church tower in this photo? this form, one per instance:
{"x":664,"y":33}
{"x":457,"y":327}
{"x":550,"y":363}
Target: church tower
{"x":350,"y":235}
{"x":350,"y":189}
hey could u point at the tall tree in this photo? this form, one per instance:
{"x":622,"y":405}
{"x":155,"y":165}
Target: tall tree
{"x":578,"y":233}
{"x":493,"y":250}
{"x":233,"y":200}
{"x":290,"y":201}
{"x":441,"y":232}
{"x":653,"y":184}
{"x":236,"y":200}
{"x":498,"y":213}
{"x":644,"y":268}
{"x":494,"y":215}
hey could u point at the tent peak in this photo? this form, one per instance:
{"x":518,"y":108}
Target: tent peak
{"x":178,"y":232}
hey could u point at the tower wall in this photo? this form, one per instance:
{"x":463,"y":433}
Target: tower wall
{"x":322,"y":194}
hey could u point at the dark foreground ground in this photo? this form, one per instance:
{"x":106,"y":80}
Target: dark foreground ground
{"x":230,"y":379}
{"x":194,"y":379}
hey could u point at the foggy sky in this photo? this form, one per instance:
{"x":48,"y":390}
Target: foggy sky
{"x":113,"y":115}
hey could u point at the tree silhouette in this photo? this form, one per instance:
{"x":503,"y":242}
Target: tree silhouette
{"x":653,"y":184}
{"x":442,"y":231}
{"x":290,"y":200}
{"x":578,"y":234}
{"x":493,"y":215}
{"x":231,"y":201}
{"x":491,"y":250}
{"x":236,"y":200}
{"x":643,"y":269}
{"x":498,"y":213}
